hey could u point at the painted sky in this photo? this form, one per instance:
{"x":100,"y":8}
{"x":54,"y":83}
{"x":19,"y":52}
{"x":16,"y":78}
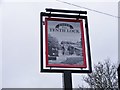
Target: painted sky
{"x":20,"y":40}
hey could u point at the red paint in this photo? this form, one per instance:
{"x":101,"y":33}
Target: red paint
{"x":83,"y":44}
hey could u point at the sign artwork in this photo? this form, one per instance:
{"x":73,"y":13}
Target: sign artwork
{"x":65,"y":44}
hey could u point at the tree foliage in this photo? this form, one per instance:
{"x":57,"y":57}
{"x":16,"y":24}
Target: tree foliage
{"x":103,"y":76}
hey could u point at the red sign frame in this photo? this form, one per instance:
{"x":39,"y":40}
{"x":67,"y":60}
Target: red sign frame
{"x":84,"y":65}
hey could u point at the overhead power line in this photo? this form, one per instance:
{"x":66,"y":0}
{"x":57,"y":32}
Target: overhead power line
{"x":88,"y":9}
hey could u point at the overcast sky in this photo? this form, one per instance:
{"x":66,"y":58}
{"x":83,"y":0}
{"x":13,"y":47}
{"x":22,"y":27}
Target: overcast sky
{"x":20,"y":40}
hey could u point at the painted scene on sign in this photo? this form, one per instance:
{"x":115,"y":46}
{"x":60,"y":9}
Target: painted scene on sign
{"x":65,"y":43}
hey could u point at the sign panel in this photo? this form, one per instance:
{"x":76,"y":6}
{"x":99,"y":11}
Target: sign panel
{"x":64,"y":43}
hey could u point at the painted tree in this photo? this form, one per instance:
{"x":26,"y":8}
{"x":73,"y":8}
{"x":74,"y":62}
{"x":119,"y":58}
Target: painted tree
{"x":103,"y":76}
{"x":52,"y":41}
{"x":53,"y":45}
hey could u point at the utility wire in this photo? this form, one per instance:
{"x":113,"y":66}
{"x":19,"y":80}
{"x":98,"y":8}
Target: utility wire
{"x":87,"y":8}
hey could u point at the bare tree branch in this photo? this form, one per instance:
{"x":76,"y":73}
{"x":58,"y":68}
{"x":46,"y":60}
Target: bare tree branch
{"x":103,"y":76}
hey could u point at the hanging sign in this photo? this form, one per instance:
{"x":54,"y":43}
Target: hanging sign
{"x":65,"y":45}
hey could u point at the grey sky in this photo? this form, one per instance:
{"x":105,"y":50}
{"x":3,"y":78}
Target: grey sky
{"x":20,"y":40}
{"x":0,"y":46}
{"x":119,"y":30}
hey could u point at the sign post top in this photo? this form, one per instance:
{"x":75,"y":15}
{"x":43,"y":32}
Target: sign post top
{"x":65,"y":11}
